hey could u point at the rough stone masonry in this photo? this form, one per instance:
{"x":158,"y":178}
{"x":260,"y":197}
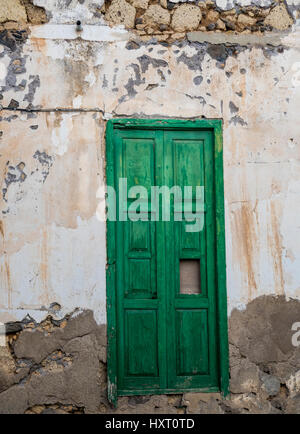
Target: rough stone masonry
{"x":235,"y":60}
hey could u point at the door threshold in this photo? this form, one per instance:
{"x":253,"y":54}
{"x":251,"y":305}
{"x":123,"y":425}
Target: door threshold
{"x":212,"y":389}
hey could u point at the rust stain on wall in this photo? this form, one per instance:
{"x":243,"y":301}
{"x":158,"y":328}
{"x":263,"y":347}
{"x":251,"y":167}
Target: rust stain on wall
{"x":246,"y":243}
{"x":44,"y":267}
{"x":275,"y":244}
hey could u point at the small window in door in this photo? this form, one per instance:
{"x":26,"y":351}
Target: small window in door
{"x":190,"y":281}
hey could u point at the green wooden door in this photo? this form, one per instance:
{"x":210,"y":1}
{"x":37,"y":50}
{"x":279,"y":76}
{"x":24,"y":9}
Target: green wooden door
{"x":163,"y":308}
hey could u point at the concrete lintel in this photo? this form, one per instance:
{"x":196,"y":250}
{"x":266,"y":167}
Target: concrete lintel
{"x":88,"y":33}
{"x":275,"y":39}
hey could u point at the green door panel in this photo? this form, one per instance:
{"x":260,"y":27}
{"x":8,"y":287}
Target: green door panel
{"x":191,"y":326}
{"x":141,"y":342}
{"x":191,"y":342}
{"x":140,"y":287}
{"x":165,"y":323}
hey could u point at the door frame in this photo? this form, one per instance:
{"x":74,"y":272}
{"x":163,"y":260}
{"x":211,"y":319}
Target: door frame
{"x":215,"y":126}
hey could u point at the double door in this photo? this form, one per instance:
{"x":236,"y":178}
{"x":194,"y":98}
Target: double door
{"x":165,"y":261}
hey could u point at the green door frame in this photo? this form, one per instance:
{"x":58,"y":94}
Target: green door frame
{"x":215,"y":126}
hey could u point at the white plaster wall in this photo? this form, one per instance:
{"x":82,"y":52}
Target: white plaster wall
{"x":54,"y":247}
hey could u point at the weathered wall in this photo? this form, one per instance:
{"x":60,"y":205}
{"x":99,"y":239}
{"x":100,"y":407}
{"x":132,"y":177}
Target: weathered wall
{"x":58,"y":88}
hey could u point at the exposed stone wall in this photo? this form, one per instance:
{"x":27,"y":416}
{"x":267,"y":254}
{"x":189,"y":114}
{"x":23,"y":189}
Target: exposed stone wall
{"x":54,"y":366}
{"x":168,"y":20}
{"x":15,"y":17}
{"x":60,"y":367}
{"x":163,"y":19}
{"x":21,"y":13}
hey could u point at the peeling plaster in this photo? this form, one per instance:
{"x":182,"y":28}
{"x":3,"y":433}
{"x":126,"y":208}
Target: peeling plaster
{"x":69,"y":11}
{"x":60,"y":135}
{"x":252,"y":84}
